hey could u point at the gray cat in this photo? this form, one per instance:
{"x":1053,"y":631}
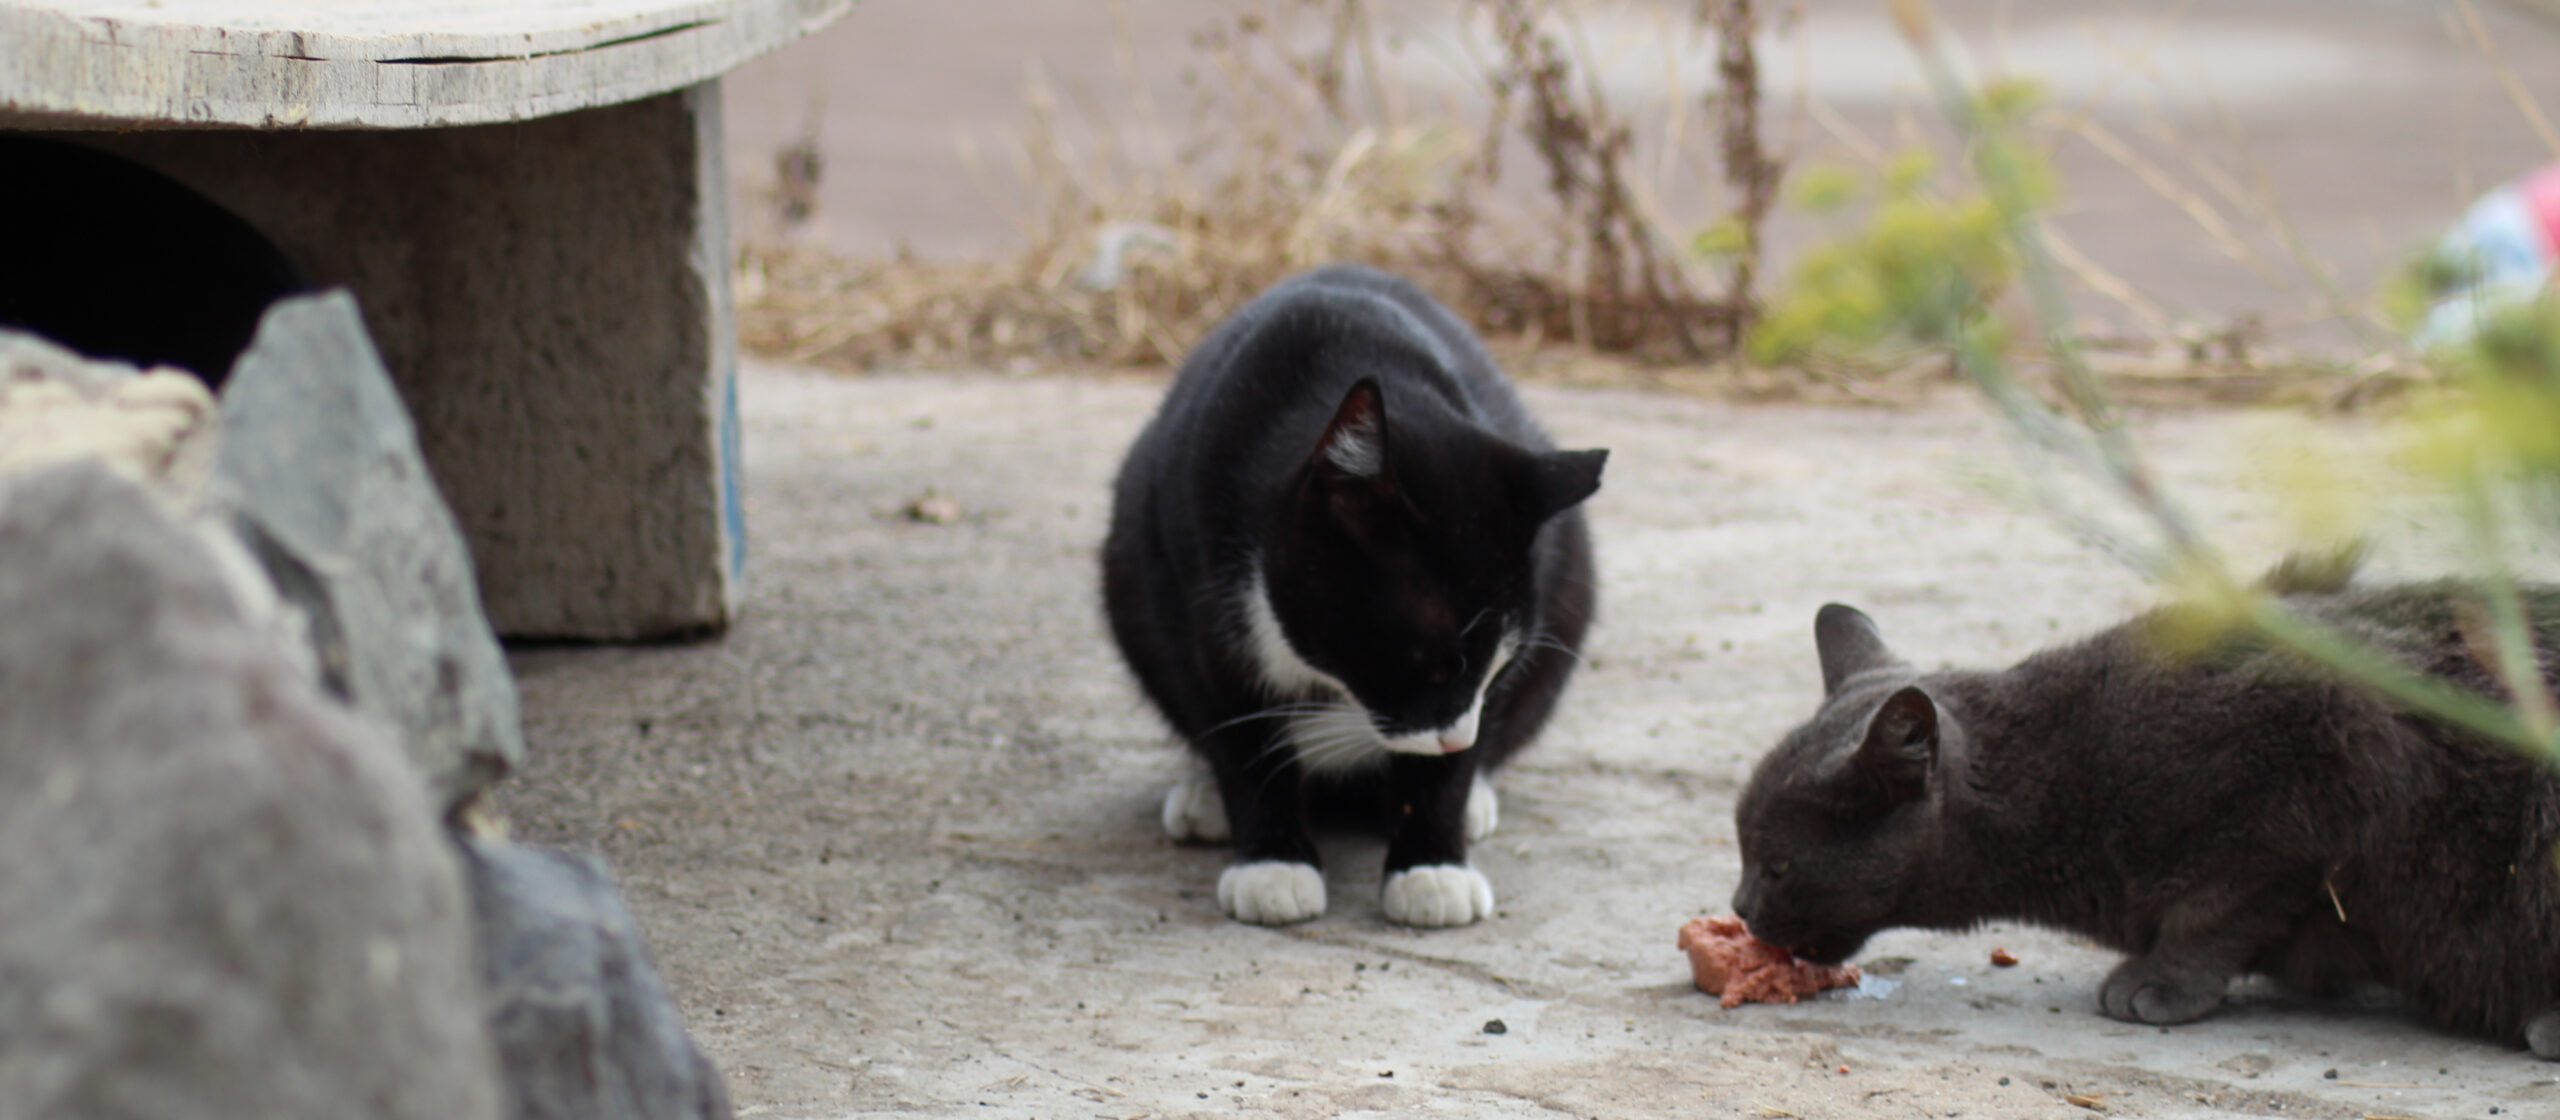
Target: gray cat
{"x":2230,"y":811}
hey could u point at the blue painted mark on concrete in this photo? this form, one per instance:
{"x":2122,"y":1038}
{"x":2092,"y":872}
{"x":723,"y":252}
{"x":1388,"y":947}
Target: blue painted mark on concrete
{"x":733,"y":511}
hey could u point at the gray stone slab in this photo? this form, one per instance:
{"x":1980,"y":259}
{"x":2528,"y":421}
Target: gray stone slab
{"x":327,"y":487}
{"x":224,"y":895}
{"x":582,"y":1024}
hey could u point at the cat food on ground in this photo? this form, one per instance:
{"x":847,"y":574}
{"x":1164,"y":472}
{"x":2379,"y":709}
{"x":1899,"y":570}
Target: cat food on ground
{"x":1727,"y":961}
{"x":2002,"y":958}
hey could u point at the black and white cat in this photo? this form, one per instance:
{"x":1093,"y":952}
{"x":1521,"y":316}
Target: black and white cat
{"x":1347,"y":567}
{"x":2230,"y":811}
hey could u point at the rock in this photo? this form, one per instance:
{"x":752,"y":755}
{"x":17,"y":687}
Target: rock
{"x":158,"y":428}
{"x":224,"y":895}
{"x":56,"y":406}
{"x":582,"y":1024}
{"x":321,"y":466}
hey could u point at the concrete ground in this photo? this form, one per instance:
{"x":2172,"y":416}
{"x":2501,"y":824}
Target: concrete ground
{"x":895,"y":837}
{"x":895,"y":841}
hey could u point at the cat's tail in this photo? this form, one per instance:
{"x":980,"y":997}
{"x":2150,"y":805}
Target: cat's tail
{"x":2325,"y":571}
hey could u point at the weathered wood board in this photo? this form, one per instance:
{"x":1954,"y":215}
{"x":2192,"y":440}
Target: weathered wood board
{"x":367,"y":63}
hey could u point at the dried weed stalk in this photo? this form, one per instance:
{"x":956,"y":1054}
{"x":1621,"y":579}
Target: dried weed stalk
{"x":1751,"y":171}
{"x":1611,"y":283}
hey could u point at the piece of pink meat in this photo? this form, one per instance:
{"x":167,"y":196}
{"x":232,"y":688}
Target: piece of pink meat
{"x":1727,"y":961}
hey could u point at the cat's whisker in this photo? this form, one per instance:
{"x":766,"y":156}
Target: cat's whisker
{"x":1276,"y":711}
{"x":1542,"y":641}
{"x":1274,"y":753}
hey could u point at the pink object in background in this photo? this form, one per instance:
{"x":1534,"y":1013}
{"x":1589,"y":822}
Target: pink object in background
{"x":2500,"y":253}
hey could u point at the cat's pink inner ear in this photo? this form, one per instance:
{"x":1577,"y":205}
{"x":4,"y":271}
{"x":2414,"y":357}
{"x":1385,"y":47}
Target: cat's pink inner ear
{"x":1355,"y":442}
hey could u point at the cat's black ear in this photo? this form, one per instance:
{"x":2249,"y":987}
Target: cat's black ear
{"x":1354,"y":445}
{"x":1901,"y":746}
{"x":1848,"y":643}
{"x":1560,"y":480}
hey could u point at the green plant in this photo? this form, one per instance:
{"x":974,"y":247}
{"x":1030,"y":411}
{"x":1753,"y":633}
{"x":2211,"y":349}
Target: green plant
{"x":1914,"y":269}
{"x":1931,"y":269}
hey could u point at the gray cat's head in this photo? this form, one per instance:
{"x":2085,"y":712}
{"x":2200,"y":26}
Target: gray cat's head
{"x":1837,"y":816}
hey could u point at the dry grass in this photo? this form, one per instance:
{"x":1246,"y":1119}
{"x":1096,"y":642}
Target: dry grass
{"x":1134,"y":244}
{"x":1127,"y":259}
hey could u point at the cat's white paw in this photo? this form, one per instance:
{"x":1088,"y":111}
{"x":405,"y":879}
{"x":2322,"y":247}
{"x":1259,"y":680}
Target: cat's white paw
{"x":1484,"y":810}
{"x":1271,"y":893}
{"x":1436,"y":896}
{"x":1193,"y":811}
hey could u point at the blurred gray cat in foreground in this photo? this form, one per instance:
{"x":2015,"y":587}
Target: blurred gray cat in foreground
{"x":2230,"y":810}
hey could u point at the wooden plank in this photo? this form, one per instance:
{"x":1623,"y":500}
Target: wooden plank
{"x":366,"y":64}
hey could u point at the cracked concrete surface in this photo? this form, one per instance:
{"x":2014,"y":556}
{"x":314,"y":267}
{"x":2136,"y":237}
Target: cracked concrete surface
{"x":895,"y":839}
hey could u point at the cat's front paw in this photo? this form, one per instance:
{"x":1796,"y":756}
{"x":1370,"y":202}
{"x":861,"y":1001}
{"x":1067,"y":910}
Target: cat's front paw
{"x":2145,"y":991}
{"x":1483,"y":809}
{"x":1437,"y":896}
{"x":1271,"y":893}
{"x":1194,"y":812}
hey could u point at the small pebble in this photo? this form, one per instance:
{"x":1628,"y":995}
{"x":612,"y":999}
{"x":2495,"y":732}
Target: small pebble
{"x":1844,"y":1069}
{"x":1496,"y":1026}
{"x":2004,"y":1080}
{"x":2002,"y":958}
{"x":931,"y":508}
{"x":2331,"y":1074}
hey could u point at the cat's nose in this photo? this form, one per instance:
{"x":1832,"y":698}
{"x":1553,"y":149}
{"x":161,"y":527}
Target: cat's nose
{"x":1461,"y":734}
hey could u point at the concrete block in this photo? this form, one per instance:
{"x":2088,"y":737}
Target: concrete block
{"x":552,"y":297}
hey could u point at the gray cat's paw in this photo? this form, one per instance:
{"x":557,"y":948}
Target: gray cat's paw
{"x":1271,"y":893}
{"x":1438,"y":896}
{"x":2542,"y":1035}
{"x":2144,"y":991}
{"x":1483,"y":809}
{"x":1194,"y":813}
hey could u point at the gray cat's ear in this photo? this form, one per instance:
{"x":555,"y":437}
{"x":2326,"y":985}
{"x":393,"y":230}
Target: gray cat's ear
{"x":1560,"y":480}
{"x":1848,"y":643}
{"x":1354,"y":445}
{"x":1901,"y":745}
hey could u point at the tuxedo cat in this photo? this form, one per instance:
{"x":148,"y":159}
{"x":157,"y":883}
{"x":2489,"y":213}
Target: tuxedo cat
{"x":1347,"y":567}
{"x":2230,"y":810}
